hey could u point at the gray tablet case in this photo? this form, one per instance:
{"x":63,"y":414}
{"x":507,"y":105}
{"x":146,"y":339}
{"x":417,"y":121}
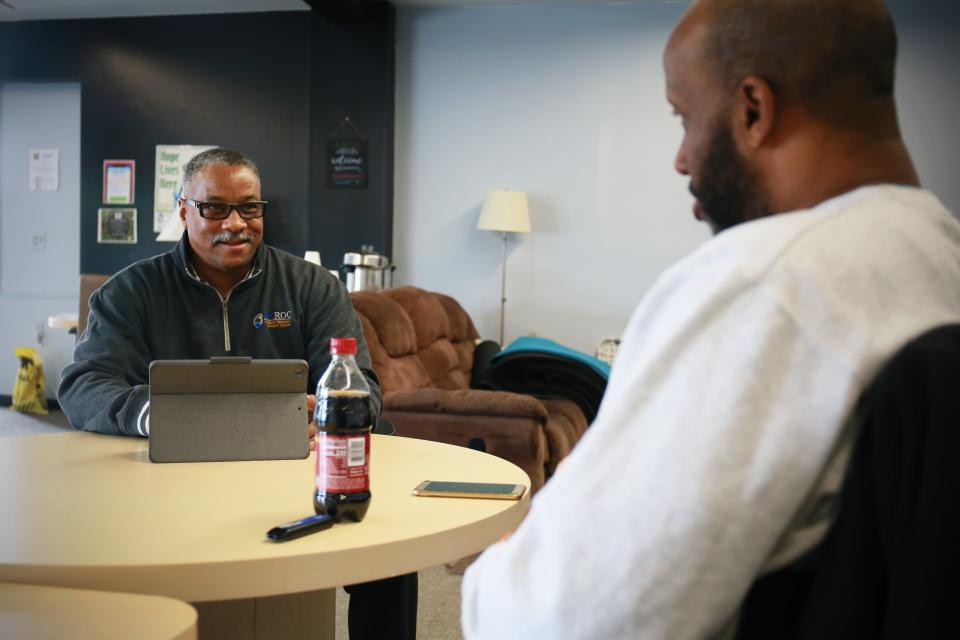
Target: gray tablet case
{"x":228,"y":409}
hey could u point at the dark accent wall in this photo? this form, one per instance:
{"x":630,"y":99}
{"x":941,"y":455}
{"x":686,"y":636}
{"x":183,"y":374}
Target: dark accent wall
{"x":273,"y":85}
{"x":356,"y":55}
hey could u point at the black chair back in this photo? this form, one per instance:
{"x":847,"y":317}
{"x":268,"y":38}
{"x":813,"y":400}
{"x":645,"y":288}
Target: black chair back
{"x":889,"y":564}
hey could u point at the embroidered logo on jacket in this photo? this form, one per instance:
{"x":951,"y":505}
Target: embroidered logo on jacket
{"x":273,"y":319}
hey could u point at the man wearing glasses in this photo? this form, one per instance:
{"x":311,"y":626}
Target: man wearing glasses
{"x":221,"y":292}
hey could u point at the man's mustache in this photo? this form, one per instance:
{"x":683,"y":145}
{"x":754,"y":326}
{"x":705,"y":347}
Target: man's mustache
{"x":228,"y":236}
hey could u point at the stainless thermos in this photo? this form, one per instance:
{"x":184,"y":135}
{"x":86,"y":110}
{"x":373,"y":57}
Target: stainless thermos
{"x":366,"y":270}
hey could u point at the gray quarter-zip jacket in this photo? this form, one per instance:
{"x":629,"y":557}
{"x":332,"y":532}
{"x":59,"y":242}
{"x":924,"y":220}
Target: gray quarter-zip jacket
{"x":159,"y":309}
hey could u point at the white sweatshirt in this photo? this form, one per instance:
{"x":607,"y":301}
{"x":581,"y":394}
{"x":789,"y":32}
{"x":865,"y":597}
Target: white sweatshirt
{"x":728,"y":397}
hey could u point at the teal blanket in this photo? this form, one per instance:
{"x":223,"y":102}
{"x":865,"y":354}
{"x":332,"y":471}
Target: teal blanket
{"x":547,"y":369}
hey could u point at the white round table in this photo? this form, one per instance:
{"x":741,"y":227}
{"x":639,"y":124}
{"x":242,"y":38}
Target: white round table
{"x":90,"y":511}
{"x":29,"y":612}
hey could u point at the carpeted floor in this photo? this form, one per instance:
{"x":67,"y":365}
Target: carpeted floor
{"x":438,"y":613}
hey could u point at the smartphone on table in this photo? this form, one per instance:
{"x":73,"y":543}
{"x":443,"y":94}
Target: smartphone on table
{"x":448,"y":489}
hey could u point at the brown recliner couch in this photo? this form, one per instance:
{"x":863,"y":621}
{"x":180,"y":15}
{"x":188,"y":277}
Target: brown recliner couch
{"x":422,"y":345}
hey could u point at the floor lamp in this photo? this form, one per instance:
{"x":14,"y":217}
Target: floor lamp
{"x":504,"y":211}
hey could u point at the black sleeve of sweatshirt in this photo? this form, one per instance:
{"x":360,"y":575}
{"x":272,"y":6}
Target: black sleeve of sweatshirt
{"x":106,"y":389}
{"x":333,"y":316}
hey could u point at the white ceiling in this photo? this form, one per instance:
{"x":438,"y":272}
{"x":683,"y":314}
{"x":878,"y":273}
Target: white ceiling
{"x":69,"y":9}
{"x":11,"y":10}
{"x":481,"y":3}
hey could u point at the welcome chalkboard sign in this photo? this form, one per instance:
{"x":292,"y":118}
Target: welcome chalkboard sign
{"x":346,"y":158}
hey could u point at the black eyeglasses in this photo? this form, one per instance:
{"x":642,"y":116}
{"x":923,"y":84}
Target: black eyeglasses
{"x":221,"y":210}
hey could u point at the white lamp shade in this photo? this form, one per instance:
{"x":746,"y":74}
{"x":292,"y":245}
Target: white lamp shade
{"x":505,"y":210}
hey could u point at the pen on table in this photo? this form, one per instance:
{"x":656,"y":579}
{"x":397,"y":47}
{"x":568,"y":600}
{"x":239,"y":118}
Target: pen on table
{"x":299,"y":528}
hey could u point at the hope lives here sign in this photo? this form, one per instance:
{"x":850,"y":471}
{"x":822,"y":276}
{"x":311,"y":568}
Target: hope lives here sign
{"x":171,"y":158}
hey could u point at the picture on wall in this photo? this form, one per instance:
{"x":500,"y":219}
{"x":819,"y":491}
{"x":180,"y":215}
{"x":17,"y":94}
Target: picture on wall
{"x":118,"y":181}
{"x":346,"y":157}
{"x":171,"y":159}
{"x":117,"y":226}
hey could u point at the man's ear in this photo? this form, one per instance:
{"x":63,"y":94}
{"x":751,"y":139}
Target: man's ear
{"x":183,"y":211}
{"x":755,"y":111}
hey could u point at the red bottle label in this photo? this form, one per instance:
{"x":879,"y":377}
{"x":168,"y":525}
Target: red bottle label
{"x":343,"y":463}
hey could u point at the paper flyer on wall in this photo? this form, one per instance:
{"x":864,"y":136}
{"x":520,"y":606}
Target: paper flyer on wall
{"x":171,"y":158}
{"x":44,"y":169}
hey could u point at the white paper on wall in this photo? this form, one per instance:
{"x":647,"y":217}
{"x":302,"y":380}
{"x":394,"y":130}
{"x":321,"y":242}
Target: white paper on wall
{"x":44,"y":169}
{"x":171,"y":159}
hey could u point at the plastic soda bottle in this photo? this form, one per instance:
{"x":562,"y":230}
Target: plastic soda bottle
{"x":343,"y":424}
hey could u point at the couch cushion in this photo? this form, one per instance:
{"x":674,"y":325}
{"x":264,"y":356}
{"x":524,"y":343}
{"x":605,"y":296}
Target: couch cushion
{"x":393,"y":328}
{"x":431,"y":327}
{"x":440,"y":360}
{"x":427,"y":315}
{"x":392,"y":342}
{"x":460,"y":325}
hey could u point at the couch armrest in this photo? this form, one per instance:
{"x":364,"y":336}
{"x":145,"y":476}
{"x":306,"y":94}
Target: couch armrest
{"x":474,"y":402}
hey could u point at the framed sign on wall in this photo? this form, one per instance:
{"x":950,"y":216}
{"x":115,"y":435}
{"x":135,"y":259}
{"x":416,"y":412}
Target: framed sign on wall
{"x":346,"y":157}
{"x":116,"y":226}
{"x":171,"y":159}
{"x":118,"y":181}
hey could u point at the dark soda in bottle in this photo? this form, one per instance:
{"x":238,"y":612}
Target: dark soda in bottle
{"x":343,"y":424}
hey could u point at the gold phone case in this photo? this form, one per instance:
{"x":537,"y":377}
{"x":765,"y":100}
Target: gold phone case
{"x":515,"y":494}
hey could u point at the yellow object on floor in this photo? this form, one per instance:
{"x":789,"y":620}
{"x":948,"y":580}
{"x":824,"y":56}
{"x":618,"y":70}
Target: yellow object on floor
{"x":29,"y":390}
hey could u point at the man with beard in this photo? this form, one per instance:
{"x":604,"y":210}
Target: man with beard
{"x":204,"y":299}
{"x":724,"y":425}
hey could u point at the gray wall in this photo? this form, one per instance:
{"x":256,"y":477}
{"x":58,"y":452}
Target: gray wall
{"x":39,"y":230}
{"x":928,"y":91}
{"x":567,"y":102}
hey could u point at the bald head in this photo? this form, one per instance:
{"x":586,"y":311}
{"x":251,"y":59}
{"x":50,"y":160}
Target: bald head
{"x":785,"y":103}
{"x":811,"y":52}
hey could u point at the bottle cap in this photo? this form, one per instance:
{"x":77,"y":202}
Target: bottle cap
{"x":343,"y":346}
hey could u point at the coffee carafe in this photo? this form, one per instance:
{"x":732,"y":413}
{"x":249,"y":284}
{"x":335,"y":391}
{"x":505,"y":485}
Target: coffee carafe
{"x":367,"y":270}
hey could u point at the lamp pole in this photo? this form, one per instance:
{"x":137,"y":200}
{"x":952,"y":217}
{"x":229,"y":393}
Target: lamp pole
{"x":504,"y":211}
{"x":503,"y":285}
